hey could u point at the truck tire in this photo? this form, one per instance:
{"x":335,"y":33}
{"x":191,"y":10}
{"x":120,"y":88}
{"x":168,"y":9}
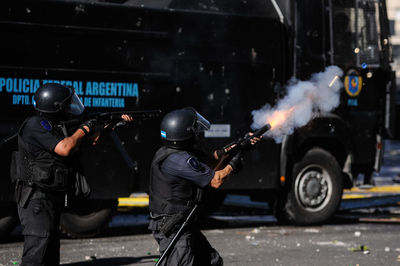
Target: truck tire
{"x":316,"y":189}
{"x":8,"y":219}
{"x":87,"y":218}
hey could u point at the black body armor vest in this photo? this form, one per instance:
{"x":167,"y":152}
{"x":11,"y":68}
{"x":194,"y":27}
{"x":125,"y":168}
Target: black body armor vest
{"x":49,"y":171}
{"x":170,"y":195}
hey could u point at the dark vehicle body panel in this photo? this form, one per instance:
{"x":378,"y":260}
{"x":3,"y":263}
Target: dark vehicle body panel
{"x":224,"y":58}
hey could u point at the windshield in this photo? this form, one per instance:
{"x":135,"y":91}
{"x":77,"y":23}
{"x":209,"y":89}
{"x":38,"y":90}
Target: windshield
{"x":356,"y":33}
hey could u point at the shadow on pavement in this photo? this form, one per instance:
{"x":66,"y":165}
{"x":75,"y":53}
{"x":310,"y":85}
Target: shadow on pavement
{"x":115,"y":261}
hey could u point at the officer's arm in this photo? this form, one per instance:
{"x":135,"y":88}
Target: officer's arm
{"x":220,"y":176}
{"x":66,"y":146}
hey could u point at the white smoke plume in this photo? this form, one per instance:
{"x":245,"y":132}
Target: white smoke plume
{"x":303,"y":101}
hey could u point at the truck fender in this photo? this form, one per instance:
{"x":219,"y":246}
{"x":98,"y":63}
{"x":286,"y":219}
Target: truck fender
{"x":326,"y":131}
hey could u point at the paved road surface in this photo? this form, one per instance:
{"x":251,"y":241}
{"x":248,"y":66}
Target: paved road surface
{"x":332,"y":244}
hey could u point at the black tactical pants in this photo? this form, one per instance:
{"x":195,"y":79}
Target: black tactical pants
{"x":40,"y":219}
{"x":192,"y":248}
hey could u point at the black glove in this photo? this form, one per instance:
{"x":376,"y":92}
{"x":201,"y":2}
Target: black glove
{"x":91,"y":123}
{"x":246,"y":143}
{"x":236,"y":163}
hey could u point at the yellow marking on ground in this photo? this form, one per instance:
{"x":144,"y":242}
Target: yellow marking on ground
{"x":356,"y":196}
{"x":369,"y":192}
{"x":142,"y":201}
{"x":380,"y":189}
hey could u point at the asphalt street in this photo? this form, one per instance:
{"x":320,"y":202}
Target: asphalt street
{"x":345,"y":242}
{"x":245,"y":233}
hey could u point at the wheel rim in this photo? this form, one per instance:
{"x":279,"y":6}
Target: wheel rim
{"x":313,"y":188}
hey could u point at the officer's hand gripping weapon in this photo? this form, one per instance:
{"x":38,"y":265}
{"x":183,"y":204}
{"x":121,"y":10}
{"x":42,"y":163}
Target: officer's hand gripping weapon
{"x":236,"y":162}
{"x":244,"y":144}
{"x":239,"y":146}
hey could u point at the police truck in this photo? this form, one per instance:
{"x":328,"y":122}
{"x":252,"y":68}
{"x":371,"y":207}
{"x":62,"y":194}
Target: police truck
{"x":225,"y":59}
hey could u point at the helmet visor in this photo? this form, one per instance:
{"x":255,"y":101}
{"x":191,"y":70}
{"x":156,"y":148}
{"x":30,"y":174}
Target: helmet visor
{"x":75,"y":106}
{"x":202,"y":124}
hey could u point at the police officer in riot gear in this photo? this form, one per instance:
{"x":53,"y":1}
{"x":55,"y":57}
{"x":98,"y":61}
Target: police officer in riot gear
{"x":178,"y":178}
{"x":44,"y":170}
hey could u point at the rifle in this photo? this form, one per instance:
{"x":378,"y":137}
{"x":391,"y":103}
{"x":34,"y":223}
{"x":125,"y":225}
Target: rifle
{"x":113,"y":118}
{"x":239,"y":145}
{"x":244,"y":144}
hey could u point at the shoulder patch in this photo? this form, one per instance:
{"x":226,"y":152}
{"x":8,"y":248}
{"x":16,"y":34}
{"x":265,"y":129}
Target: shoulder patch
{"x":194,"y":163}
{"x":46,"y":125}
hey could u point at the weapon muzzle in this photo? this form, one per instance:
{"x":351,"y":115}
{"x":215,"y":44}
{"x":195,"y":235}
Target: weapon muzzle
{"x":261,"y":130}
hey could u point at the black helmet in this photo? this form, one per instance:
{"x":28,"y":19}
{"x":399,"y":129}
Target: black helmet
{"x":52,"y":98}
{"x":180,"y":127}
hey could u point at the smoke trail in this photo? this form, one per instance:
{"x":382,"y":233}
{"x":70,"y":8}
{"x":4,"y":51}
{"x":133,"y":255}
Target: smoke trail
{"x":303,"y":101}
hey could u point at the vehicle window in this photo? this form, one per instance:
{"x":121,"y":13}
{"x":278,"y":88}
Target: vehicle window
{"x":356,"y":32}
{"x":368,"y":29}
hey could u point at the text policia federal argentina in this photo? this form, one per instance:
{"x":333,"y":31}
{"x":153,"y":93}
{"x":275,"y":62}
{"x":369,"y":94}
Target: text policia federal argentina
{"x":92,"y":93}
